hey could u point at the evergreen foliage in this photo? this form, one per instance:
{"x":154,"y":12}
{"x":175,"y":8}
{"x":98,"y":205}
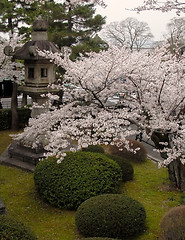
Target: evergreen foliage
{"x":75,"y":26}
{"x":14,"y":13}
{"x":69,"y":25}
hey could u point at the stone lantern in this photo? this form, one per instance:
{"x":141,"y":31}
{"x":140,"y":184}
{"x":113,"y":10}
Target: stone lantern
{"x":39,"y":74}
{"x":39,"y":71}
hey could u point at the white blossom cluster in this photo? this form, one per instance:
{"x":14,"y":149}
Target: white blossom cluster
{"x":154,"y":86}
{"x":164,"y":6}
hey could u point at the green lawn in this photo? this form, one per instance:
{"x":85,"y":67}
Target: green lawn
{"x":150,"y":187}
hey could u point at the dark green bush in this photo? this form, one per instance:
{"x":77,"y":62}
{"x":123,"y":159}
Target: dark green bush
{"x":138,"y":157}
{"x":126,"y":167}
{"x":93,"y":148}
{"x":5,"y":119}
{"x":78,"y":177}
{"x":110,"y":215}
{"x":172,"y":226}
{"x":6,"y":115}
{"x":23,"y":114}
{"x":11,"y":229}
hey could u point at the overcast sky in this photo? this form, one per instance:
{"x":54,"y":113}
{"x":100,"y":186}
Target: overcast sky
{"x":116,"y":11}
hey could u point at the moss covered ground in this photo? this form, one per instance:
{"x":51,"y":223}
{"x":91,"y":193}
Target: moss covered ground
{"x":150,"y":186}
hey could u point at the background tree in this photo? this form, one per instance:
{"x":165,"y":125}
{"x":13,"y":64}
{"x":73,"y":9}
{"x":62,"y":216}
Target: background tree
{"x":176,"y":33}
{"x":130,"y":32}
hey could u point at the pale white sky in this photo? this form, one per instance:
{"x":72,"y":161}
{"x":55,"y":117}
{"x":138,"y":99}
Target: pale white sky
{"x":116,"y":11}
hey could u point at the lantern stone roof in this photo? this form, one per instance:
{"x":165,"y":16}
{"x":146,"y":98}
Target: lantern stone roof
{"x":28,"y":51}
{"x":39,"y":41}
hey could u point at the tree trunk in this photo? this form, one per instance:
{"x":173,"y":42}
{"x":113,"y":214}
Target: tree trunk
{"x":24,"y":100}
{"x":176,"y":169}
{"x":176,"y":172}
{"x":14,"y":104}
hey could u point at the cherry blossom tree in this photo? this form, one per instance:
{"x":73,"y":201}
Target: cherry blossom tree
{"x":155,"y":103}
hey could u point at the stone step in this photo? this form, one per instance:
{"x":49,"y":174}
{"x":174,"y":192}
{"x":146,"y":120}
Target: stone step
{"x":24,"y":154}
{"x":7,"y":160}
{"x":23,"y":157}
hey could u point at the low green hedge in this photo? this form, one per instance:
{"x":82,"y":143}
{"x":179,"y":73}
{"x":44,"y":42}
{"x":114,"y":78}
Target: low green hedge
{"x":126,"y":167}
{"x":11,"y":229}
{"x":94,"y":148}
{"x":110,"y":215}
{"x":5,"y":119}
{"x":78,"y":177}
{"x":6,"y":115}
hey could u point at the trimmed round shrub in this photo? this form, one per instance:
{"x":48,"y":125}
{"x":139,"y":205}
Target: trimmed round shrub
{"x":11,"y":229}
{"x":110,"y":215}
{"x":138,"y":157}
{"x":94,"y":148}
{"x":78,"y":177}
{"x":126,"y":167}
{"x":172,"y":225}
